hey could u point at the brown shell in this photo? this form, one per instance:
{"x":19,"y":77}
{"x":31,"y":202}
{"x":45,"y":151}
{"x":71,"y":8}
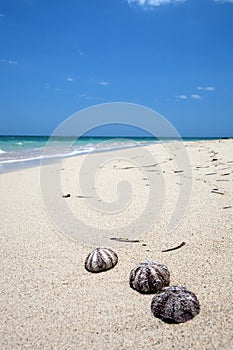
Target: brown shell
{"x":175,"y":304}
{"x":149,"y":277}
{"x":101,"y":259}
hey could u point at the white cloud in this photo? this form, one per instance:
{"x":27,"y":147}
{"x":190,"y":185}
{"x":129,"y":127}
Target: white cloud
{"x":182,"y":97}
{"x":104,"y":83}
{"x":81,"y":53}
{"x":12,"y":62}
{"x":2,"y":15}
{"x":154,"y":3}
{"x":224,"y":1}
{"x":70,"y":79}
{"x":83,"y":96}
{"x":210,"y":88}
{"x":196,"y":97}
{"x":87,"y":97}
{"x":8,"y":61}
{"x":206,"y":88}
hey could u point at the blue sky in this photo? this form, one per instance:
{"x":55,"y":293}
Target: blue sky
{"x":58,"y":57}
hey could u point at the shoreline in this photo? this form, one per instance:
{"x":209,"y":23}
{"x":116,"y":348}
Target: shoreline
{"x":20,"y":164}
{"x":50,"y":301}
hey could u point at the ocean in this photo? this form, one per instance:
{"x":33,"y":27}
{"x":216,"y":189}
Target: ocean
{"x":18,"y":152}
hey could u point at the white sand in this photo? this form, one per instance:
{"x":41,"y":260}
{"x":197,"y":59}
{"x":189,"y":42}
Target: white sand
{"x":49,"y":301}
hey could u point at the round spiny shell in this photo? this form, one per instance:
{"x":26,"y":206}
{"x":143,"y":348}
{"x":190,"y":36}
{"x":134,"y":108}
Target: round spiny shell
{"x":101,"y":259}
{"x":175,"y":305}
{"x":149,"y":277}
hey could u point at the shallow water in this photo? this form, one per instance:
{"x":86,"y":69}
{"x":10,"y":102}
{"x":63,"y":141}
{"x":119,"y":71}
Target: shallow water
{"x":17,"y":152}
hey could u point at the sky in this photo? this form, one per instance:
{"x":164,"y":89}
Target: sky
{"x":174,"y":56}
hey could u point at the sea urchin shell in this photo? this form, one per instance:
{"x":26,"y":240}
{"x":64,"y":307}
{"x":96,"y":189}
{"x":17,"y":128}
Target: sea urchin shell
{"x":101,"y":259}
{"x":149,"y":277}
{"x":175,"y":305}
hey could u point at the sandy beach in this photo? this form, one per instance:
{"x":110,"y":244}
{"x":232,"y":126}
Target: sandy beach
{"x":48,"y":299}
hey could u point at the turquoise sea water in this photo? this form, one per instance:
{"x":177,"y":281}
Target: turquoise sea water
{"x":23,"y":151}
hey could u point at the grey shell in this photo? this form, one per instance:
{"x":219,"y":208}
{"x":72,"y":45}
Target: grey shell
{"x":149,"y":277}
{"x":101,"y":259}
{"x":175,"y":305}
